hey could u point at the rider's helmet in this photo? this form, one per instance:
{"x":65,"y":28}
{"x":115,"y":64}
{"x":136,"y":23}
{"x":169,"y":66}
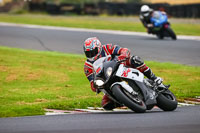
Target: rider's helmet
{"x":145,"y":10}
{"x":92,"y":48}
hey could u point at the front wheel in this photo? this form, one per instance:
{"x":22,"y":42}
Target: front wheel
{"x":167,"y":101}
{"x":134,"y":103}
{"x":171,"y":33}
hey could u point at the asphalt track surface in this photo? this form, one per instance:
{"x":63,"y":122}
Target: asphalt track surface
{"x":148,"y":47}
{"x":183,"y":120}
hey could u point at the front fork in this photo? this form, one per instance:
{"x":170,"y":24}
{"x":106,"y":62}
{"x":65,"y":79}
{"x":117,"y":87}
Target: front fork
{"x":126,"y":86}
{"x":157,"y":88}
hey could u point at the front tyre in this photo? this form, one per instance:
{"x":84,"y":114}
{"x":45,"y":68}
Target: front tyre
{"x":167,"y":101}
{"x":171,"y":33}
{"x":136,"y":105}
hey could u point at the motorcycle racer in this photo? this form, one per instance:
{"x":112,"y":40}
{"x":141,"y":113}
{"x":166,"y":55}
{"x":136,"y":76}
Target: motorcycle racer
{"x":94,"y":50}
{"x":148,"y":17}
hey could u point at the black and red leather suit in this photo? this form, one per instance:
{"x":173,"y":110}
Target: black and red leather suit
{"x":133,"y":61}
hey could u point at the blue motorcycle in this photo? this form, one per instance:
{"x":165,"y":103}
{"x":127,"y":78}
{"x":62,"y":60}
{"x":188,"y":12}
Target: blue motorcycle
{"x":160,"y":26}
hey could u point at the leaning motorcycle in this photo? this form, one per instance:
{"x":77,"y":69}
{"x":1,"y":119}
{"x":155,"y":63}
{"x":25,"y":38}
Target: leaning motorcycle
{"x":161,"y":27}
{"x":128,"y":87}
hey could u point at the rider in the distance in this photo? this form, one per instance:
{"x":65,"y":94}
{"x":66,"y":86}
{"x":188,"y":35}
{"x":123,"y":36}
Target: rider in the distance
{"x":147,"y":17}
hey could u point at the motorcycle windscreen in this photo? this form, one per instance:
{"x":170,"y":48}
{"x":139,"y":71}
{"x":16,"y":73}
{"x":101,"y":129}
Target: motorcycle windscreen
{"x":99,"y":62}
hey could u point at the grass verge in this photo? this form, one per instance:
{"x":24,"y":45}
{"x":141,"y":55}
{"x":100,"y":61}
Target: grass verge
{"x":101,"y":22}
{"x":31,"y":81}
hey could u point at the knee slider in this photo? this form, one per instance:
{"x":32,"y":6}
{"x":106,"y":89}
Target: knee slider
{"x":109,"y":106}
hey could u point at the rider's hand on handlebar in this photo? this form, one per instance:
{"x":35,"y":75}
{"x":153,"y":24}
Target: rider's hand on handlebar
{"x":122,"y":58}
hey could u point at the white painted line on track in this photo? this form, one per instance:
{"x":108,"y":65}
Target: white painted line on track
{"x":98,"y":110}
{"x":185,"y":104}
{"x":116,"y":32}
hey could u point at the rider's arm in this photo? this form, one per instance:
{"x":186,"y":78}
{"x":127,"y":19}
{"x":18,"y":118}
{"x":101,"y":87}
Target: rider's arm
{"x":117,"y":50}
{"x":143,"y":21}
{"x":122,"y":53}
{"x":88,"y":69}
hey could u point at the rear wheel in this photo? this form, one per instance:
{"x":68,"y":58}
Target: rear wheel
{"x":167,"y":101}
{"x":132,"y":102}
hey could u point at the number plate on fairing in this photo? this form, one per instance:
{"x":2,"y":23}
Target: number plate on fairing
{"x":129,"y":73}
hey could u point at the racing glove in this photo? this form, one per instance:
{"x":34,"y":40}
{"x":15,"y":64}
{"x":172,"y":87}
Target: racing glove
{"x":122,"y":57}
{"x":124,"y":54}
{"x":150,"y":25}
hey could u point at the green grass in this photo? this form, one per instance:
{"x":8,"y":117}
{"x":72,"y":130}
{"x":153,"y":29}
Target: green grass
{"x":31,"y":81}
{"x":101,"y":22}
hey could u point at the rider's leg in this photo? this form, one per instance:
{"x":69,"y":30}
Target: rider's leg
{"x":138,"y":63}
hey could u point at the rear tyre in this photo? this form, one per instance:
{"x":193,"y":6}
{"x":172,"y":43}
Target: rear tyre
{"x":136,"y":105}
{"x":167,"y":101}
{"x":171,"y":33}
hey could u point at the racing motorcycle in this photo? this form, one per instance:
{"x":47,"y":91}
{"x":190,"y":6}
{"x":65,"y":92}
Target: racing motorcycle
{"x":161,"y":27}
{"x":128,"y":87}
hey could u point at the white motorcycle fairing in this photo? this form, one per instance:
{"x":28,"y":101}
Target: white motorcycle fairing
{"x":136,"y":75}
{"x":129,"y":73}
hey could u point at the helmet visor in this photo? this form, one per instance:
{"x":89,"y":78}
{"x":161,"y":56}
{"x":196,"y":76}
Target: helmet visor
{"x":91,"y":53}
{"x":146,"y":13}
